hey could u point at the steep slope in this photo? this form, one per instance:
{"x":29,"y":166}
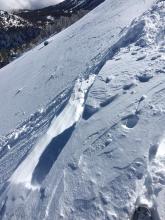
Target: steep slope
{"x":109,"y":69}
{"x":22,"y":29}
{"x":68,"y":55}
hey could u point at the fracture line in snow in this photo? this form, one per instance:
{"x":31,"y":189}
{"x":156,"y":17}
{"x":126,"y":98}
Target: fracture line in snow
{"x":69,"y":116}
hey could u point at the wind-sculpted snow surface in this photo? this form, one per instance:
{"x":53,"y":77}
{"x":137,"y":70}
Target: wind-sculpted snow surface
{"x":65,"y":120}
{"x":95,"y":148}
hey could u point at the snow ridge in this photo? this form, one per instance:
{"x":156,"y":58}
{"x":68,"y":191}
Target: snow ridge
{"x":66,"y":119}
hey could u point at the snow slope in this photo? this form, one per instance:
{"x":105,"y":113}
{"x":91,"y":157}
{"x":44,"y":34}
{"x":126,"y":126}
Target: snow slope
{"x":99,"y":156}
{"x":68,"y":55}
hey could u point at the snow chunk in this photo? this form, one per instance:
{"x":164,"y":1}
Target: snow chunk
{"x":161,"y":149}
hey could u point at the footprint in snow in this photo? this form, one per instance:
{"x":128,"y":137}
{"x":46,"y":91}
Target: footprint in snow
{"x":145,"y":77}
{"x":141,"y":58}
{"x":130,"y":121}
{"x":128,"y":86}
{"x":156,"y":57}
{"x":142,"y":212}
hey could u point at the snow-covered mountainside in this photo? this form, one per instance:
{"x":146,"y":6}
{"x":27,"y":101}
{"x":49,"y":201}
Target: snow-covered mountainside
{"x":22,"y":29}
{"x":83,"y":120}
{"x":9,"y":20}
{"x":15,"y":34}
{"x":65,"y":8}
